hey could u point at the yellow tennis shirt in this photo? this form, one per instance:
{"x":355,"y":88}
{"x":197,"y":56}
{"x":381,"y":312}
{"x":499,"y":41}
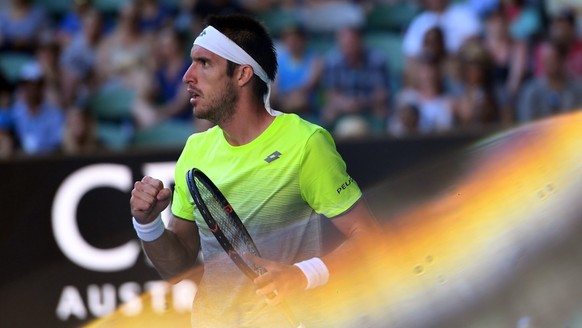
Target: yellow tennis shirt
{"x":279,"y":184}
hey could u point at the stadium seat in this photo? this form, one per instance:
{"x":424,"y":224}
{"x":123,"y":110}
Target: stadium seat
{"x":108,"y":7}
{"x":55,"y":8}
{"x":277,"y":20}
{"x":11,"y":64}
{"x":114,"y":136}
{"x":321,"y":43}
{"x":392,"y":17}
{"x":112,"y":108}
{"x":112,"y":103}
{"x":163,"y":135}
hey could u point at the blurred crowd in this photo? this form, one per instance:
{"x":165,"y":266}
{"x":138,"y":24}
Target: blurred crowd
{"x":78,"y":76}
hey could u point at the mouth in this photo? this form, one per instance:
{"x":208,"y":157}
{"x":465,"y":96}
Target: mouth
{"x":194,"y":95}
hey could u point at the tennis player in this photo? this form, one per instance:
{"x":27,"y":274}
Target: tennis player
{"x":281,"y":174}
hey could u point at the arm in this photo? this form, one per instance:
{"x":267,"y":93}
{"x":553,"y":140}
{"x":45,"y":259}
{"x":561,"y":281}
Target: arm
{"x":175,"y":251}
{"x":357,"y":224}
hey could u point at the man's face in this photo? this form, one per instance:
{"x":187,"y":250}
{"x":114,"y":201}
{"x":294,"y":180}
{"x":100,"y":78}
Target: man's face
{"x":212,"y":91}
{"x":551,"y":61}
{"x":562,"y":31}
{"x":32,"y":91}
{"x":350,"y":43}
{"x":436,"y":5}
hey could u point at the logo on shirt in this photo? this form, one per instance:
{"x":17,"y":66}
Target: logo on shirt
{"x":274,"y":156}
{"x":344,"y":186}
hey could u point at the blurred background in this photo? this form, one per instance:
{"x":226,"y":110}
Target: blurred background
{"x":91,"y":99}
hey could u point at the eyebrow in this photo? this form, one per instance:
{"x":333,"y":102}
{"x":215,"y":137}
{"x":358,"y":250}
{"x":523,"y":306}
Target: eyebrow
{"x":201,"y":58}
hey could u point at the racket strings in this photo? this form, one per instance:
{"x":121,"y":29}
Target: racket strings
{"x":239,"y":240}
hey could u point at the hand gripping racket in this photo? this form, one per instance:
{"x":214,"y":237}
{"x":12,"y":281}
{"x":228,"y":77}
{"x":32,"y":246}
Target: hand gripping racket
{"x":228,"y":228}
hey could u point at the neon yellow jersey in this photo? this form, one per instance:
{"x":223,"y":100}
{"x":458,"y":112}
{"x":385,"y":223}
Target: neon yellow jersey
{"x":280,"y":184}
{"x":292,"y":166}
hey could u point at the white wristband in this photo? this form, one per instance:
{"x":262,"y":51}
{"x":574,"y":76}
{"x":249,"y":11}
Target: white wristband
{"x":149,"y":231}
{"x":315,"y":271}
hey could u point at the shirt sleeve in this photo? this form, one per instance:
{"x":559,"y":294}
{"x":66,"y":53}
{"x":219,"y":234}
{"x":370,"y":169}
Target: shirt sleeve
{"x":324,"y":181}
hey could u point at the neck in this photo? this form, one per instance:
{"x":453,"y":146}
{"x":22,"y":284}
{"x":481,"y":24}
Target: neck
{"x":246,"y":124}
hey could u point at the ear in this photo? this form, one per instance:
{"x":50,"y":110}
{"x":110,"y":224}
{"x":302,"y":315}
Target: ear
{"x":245,"y":74}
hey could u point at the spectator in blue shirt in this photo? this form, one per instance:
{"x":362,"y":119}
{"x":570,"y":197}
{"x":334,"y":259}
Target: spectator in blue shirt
{"x":72,"y":22}
{"x":299,"y":72}
{"x":38,"y":124}
{"x":20,"y":25}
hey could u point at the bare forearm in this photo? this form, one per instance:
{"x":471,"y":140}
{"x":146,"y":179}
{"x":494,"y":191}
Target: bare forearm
{"x":170,"y":257}
{"x":361,"y":237}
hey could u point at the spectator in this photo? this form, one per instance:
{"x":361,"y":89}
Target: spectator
{"x":38,"y":123}
{"x":170,"y":93}
{"x":562,"y":30}
{"x":356,"y":82}
{"x":427,"y":94}
{"x":433,"y":46}
{"x":457,"y":21}
{"x":555,"y":91}
{"x":406,"y":118}
{"x":80,"y":132}
{"x":123,"y":56}
{"x":72,"y":22}
{"x":20,"y":25}
{"x":78,"y":59}
{"x":509,"y":56}
{"x":124,"y":60}
{"x":184,"y":20}
{"x":47,"y":53}
{"x":476,"y":104}
{"x":525,"y":21}
{"x":6,"y":124}
{"x":299,"y":72}
{"x":154,"y":15}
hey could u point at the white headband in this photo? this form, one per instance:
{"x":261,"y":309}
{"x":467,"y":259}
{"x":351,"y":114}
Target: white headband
{"x":213,"y":40}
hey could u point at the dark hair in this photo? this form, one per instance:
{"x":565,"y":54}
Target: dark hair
{"x":253,"y":38}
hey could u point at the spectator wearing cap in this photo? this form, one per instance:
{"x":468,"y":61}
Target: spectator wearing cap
{"x":562,"y":30}
{"x":554,"y":92}
{"x":356,"y":83}
{"x":38,"y":123}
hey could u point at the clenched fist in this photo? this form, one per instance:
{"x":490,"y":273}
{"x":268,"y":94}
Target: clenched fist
{"x":148,"y":199}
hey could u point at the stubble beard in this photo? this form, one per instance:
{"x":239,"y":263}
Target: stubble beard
{"x":221,"y":107}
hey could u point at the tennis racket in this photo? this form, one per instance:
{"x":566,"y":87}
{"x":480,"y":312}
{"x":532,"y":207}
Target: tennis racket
{"x":228,"y":229}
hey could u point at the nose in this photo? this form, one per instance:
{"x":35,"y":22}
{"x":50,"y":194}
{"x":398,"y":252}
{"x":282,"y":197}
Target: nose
{"x":189,"y":76}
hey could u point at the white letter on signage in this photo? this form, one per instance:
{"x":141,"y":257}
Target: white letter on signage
{"x":64,"y":218}
{"x":70,"y":304}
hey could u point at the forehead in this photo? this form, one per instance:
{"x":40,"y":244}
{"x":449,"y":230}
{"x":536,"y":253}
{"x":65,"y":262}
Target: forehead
{"x":200,"y":52}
